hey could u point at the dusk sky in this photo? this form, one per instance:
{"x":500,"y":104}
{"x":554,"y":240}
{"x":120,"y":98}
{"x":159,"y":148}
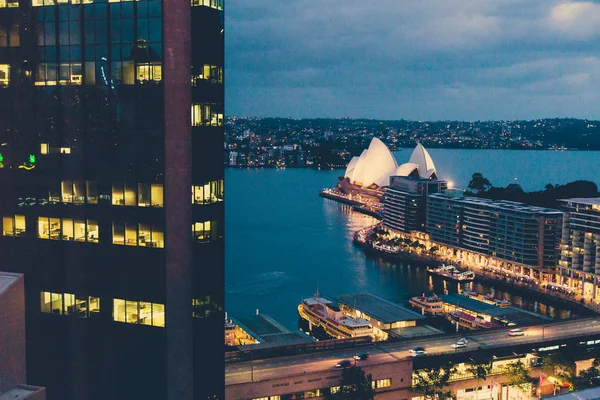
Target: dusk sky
{"x":413,"y":59}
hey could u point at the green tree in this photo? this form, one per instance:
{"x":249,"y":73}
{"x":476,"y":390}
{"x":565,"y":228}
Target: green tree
{"x":355,"y":385}
{"x":588,"y":377}
{"x":431,"y":383}
{"x":563,"y":368}
{"x":517,"y":375}
{"x":479,"y":183}
{"x":480,"y":372}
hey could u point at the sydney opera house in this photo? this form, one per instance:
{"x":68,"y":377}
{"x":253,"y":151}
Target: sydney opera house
{"x":369,"y":174}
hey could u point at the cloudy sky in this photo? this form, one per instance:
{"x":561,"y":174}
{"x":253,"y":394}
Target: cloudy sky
{"x":413,"y":59}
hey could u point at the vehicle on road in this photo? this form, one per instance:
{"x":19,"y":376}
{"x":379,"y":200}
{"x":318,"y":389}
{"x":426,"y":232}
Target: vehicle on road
{"x":343,"y":364}
{"x":362,"y":356}
{"x":516,"y":332}
{"x":417,"y":351}
{"x":459,"y":345}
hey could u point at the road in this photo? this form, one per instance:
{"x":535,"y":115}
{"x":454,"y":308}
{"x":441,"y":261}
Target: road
{"x":286,"y":366}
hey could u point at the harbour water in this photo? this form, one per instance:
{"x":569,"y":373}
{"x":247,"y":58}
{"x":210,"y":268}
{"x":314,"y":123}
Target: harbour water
{"x":283,"y":239}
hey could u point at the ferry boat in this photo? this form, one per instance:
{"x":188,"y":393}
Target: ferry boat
{"x":431,"y":305}
{"x":487,"y":299}
{"x":469,"y":321}
{"x":386,"y":248}
{"x":450,"y":272}
{"x":322,"y":312}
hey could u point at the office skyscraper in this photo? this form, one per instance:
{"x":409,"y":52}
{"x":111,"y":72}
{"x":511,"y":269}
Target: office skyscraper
{"x":111,"y":112}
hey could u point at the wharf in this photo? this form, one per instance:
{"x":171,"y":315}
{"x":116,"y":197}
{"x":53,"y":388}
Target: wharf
{"x":504,"y":315}
{"x":269,"y":332}
{"x":339,"y":198}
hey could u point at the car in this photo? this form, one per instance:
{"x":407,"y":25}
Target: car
{"x":362,"y":356}
{"x":459,"y":345}
{"x":516,"y":332}
{"x":417,"y":351}
{"x":343,"y":364}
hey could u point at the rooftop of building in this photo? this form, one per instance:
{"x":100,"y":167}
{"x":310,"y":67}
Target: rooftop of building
{"x":22,"y":392}
{"x":593,"y":201}
{"x":498,"y":204}
{"x":586,"y":394}
{"x":266,"y":330}
{"x":379,"y":308}
{"x":8,"y":279}
{"x":511,"y":314}
{"x":413,"y":332}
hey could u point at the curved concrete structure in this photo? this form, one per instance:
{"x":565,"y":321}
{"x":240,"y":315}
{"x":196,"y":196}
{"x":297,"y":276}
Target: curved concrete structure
{"x":376,"y":164}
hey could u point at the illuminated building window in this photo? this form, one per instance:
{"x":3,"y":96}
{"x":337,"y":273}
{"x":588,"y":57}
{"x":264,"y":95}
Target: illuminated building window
{"x":69,"y":304}
{"x":143,"y":195}
{"x":382,"y":383}
{"x":206,"y":231}
{"x":314,"y":393}
{"x":208,"y":73}
{"x":143,"y":234}
{"x":207,"y":115}
{"x":208,"y":193}
{"x":139,"y":312}
{"x":51,"y":303}
{"x":4,"y":74}
{"x":13,"y":225}
{"x":51,"y":74}
{"x":45,"y":148}
{"x":150,"y":195}
{"x":91,"y":190}
{"x":67,"y":191}
{"x":149,"y":72}
{"x":216,"y":4}
{"x":68,"y":229}
{"x":9,"y":3}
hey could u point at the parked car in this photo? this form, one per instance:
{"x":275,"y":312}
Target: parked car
{"x":418,"y":351}
{"x":343,"y":364}
{"x":516,"y":332}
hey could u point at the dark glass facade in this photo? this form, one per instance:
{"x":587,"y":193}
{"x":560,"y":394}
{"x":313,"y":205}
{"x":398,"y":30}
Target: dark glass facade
{"x":111,"y":114}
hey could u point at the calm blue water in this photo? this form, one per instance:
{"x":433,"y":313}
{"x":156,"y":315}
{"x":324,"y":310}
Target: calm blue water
{"x":283,"y":239}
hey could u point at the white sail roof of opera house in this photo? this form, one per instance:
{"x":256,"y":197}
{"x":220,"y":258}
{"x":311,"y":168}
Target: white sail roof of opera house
{"x":376,"y":164}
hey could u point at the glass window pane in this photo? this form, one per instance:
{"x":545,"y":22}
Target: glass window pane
{"x":117,"y":194}
{"x":69,"y":306}
{"x":55,"y":229}
{"x":92,"y":192}
{"x":79,"y":231}
{"x":67,"y":229}
{"x":81,"y":306}
{"x":43,"y":228}
{"x":131,"y":312}
{"x":144,"y":235}
{"x":158,"y":236}
{"x":45,"y":302}
{"x":78,"y":192}
{"x":158,"y":314}
{"x":145,"y":313}
{"x":67,"y":191}
{"x":119,"y":310}
{"x":20,"y":225}
{"x":93,"y":234}
{"x":130,"y":234}
{"x":143,"y":195}
{"x":118,"y":233}
{"x":8,"y":226}
{"x":130,"y":196}
{"x":57,"y":305}
{"x":94,"y":305}
{"x":157,"y":195}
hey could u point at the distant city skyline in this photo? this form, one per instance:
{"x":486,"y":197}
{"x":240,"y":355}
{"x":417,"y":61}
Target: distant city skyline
{"x":430,"y":60}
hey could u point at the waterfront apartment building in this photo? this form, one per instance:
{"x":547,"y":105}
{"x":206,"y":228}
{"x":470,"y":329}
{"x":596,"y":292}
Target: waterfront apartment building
{"x":580,"y":245}
{"x":511,"y":231}
{"x":405,"y":201}
{"x":111,"y":116}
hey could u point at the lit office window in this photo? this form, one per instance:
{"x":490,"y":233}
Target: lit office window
{"x":149,"y":72}
{"x":92,"y":192}
{"x":150,"y":195}
{"x":68,"y":229}
{"x":67,"y":191}
{"x":139,"y":312}
{"x":314,"y":393}
{"x":9,"y":3}
{"x":206,"y":231}
{"x":208,"y":193}
{"x":51,"y":303}
{"x":4,"y":74}
{"x":143,"y":234}
{"x":13,"y":225}
{"x":208,"y":73}
{"x":382,"y":383}
{"x":207,"y":115}
{"x":216,"y":4}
